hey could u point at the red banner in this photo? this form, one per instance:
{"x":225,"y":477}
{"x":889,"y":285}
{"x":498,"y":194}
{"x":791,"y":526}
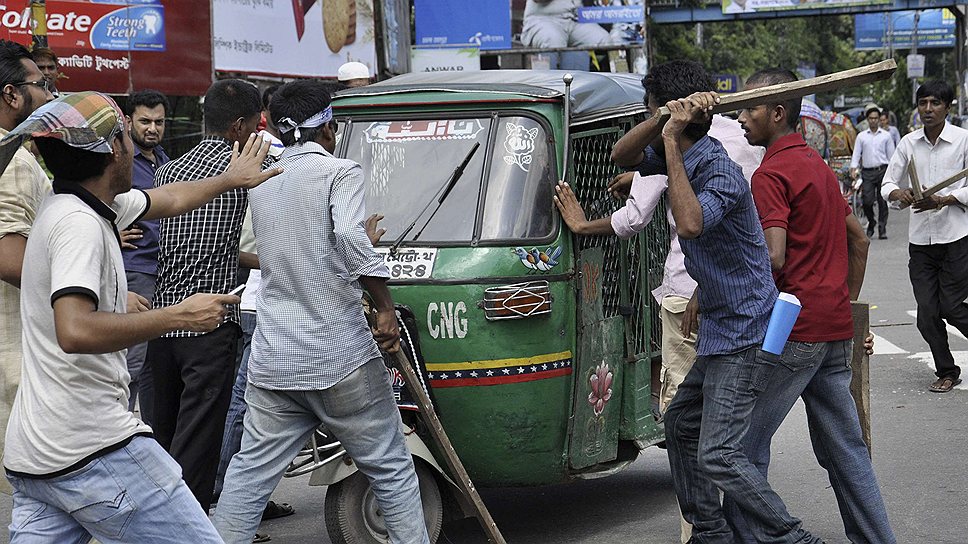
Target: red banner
{"x":117,"y":46}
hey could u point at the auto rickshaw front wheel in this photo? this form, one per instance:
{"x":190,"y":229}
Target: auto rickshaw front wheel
{"x":353,"y":516}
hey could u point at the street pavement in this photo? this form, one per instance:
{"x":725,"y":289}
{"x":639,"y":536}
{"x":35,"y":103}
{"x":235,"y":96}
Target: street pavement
{"x":919,"y":440}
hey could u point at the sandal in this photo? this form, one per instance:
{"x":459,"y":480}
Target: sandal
{"x":261,"y":537}
{"x":277,"y":510}
{"x":943,"y":385}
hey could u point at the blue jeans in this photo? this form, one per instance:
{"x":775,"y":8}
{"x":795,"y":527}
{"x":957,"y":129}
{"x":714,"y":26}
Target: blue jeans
{"x":232,"y":436}
{"x":134,"y":494}
{"x":361,"y":414}
{"x":705,"y":426}
{"x":820,"y":373}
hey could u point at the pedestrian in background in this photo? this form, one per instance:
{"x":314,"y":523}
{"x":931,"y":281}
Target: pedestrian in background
{"x":872,"y":151}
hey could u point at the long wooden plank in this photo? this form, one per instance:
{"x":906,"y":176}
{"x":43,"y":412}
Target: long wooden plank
{"x":947,"y":182}
{"x":860,"y":383}
{"x":798,"y":89}
{"x":915,"y":181}
{"x":436,"y":429}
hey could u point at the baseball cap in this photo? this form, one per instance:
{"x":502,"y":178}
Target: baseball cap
{"x":86,"y":120}
{"x":353,"y":70}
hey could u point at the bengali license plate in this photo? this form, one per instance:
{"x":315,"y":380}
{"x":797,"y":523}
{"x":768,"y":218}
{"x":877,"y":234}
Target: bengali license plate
{"x":409,"y":263}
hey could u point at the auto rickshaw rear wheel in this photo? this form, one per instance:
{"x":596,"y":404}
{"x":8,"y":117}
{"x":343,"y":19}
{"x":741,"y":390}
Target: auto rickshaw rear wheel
{"x":353,"y":516}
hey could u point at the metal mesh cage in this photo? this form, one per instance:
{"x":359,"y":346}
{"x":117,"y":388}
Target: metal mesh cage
{"x":625,"y":262}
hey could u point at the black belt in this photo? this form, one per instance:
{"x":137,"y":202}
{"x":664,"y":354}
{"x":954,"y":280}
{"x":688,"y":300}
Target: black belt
{"x":876,"y":167}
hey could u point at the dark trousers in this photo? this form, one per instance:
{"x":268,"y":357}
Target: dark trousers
{"x":193,"y":386}
{"x":939,"y":275}
{"x":871,"y":191}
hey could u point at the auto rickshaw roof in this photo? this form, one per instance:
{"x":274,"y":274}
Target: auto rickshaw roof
{"x":594,"y":95}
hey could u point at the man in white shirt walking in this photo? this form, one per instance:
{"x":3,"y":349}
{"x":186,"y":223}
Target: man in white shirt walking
{"x":938,"y":230}
{"x":872,"y":151}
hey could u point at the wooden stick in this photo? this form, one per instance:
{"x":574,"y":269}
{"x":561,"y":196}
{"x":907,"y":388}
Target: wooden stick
{"x":860,"y":382}
{"x":913,"y":178}
{"x":450,"y":455}
{"x":947,"y":182}
{"x":797,"y":89}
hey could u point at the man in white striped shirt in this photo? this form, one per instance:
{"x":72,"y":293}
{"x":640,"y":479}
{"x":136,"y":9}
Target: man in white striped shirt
{"x":872,"y":151}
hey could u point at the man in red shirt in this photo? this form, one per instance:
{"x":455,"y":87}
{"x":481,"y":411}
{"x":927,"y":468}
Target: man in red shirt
{"x":818,"y":251}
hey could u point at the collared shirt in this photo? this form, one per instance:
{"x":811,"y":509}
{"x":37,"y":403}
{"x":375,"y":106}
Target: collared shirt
{"x":311,"y":330}
{"x":71,"y":406}
{"x":198,"y":252}
{"x":895,"y":135}
{"x":645,"y":194}
{"x":729,"y":259}
{"x":872,"y":149}
{"x":796,"y":191}
{"x":934,"y":163}
{"x":144,"y":259}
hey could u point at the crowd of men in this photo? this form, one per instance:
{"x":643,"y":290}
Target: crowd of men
{"x":128,"y":250}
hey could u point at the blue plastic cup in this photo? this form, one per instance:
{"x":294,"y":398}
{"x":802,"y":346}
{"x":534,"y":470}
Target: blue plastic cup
{"x":784,"y":316}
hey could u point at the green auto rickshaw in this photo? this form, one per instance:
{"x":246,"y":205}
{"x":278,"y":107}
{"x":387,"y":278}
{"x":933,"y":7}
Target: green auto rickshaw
{"x":539,"y":348}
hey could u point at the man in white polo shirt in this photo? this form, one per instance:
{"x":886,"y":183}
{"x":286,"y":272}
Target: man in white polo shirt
{"x":80,"y":463}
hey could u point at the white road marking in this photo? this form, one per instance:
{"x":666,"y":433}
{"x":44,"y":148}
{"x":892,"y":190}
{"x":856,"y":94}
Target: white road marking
{"x":951,"y":330}
{"x":883,"y":347}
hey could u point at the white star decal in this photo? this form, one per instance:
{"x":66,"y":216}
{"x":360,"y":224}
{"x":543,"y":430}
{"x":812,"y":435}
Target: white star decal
{"x":430,"y":375}
{"x":554,"y":365}
{"x":457,"y":374}
{"x":506,"y":371}
{"x":490,"y":372}
{"x":443,"y":376}
{"x":474,"y":374}
{"x":544,"y":366}
{"x":520,"y":370}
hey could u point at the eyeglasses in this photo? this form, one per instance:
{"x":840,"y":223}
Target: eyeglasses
{"x":43,"y":83}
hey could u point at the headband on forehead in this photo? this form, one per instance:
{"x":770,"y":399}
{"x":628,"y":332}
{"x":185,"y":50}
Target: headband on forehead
{"x":286,"y":124}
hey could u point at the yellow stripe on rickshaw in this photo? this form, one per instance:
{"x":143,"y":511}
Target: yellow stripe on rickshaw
{"x":500,"y":363}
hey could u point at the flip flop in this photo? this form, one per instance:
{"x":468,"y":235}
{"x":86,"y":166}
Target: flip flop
{"x":277,"y":510}
{"x":943,"y":385}
{"x":261,"y":537}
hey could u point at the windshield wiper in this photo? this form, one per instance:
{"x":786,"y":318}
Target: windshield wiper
{"x":444,"y":192}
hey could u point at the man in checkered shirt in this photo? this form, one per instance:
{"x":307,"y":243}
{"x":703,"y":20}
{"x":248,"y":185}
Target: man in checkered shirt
{"x":199,"y":253}
{"x":314,"y":359}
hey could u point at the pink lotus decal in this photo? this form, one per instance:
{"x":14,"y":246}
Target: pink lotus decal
{"x":601,"y":382}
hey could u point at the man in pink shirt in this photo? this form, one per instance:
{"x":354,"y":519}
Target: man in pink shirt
{"x":643,"y":195}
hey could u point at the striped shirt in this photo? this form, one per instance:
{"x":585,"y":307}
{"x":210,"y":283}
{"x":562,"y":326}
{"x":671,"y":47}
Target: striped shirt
{"x":729,"y":260}
{"x":309,"y":229}
{"x":198,"y":252}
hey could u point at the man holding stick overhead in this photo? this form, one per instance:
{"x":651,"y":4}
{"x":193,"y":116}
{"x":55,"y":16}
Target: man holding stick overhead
{"x":938,"y":231}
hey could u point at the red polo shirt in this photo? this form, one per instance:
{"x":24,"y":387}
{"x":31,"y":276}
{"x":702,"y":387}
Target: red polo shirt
{"x":795,"y":190}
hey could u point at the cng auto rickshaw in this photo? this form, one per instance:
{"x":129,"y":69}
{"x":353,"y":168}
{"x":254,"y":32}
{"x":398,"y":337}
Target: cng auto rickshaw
{"x":539,"y":348}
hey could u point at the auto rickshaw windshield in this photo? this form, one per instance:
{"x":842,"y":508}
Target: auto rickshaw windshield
{"x":406,"y":164}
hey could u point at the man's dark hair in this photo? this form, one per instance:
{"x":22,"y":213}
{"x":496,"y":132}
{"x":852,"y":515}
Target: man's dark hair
{"x":12,"y":68}
{"x":228,"y":100}
{"x":43,"y":52}
{"x":875,"y":110}
{"x":148,"y":98}
{"x":678,"y":79}
{"x":938,"y":89}
{"x":70,"y":163}
{"x":267,"y":94}
{"x":775,"y":76}
{"x":299,"y":101}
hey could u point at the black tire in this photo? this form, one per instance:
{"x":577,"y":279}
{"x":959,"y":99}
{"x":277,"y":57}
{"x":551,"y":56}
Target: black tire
{"x":352,"y":516}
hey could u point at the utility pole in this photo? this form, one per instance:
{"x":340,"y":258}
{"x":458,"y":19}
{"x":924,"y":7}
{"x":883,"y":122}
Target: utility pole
{"x":914,"y":54}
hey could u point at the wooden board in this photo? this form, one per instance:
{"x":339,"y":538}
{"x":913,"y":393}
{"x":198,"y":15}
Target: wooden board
{"x":915,"y":181}
{"x":798,"y":89}
{"x":860,"y":383}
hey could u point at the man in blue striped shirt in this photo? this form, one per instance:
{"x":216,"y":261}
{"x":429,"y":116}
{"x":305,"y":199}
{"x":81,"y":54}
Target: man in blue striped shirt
{"x":726,"y":254}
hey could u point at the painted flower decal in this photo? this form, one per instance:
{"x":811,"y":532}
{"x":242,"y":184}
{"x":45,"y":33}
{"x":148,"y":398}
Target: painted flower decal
{"x":601,"y":382}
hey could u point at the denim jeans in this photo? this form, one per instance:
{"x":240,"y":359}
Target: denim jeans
{"x":134,"y":494}
{"x":705,"y":426}
{"x":232,"y":437}
{"x":361,"y":414}
{"x":820,"y":373}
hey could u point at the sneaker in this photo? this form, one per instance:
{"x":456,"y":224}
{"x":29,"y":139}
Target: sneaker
{"x":870,"y":231}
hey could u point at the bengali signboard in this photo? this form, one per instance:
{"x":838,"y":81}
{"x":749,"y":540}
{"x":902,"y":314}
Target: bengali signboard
{"x":115,"y":46}
{"x":300,"y":38}
{"x":753,"y":6}
{"x":936,"y":29}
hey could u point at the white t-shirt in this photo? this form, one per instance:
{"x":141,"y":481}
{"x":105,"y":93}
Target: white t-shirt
{"x":71,"y":406}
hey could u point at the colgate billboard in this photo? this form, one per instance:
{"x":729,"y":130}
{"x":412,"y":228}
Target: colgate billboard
{"x":119,"y":46}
